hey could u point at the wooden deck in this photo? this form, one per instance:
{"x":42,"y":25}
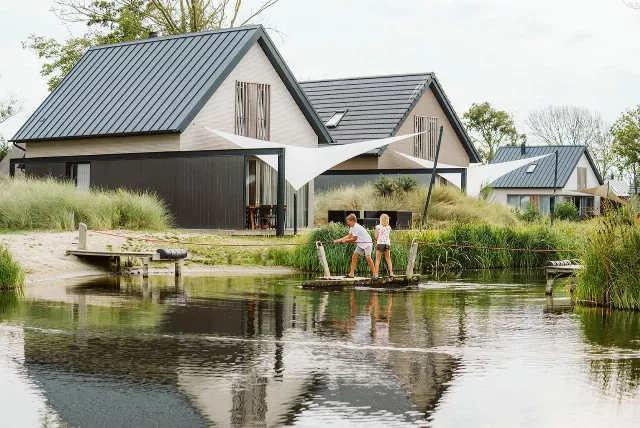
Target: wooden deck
{"x":145,"y":256}
{"x":341,"y":282}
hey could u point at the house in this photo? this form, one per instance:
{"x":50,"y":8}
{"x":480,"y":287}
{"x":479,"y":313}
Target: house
{"x":364,"y":108}
{"x":133,"y":115}
{"x":534,"y":182}
{"x":620,"y":188}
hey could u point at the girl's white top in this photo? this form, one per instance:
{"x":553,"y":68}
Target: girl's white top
{"x":383,"y":234}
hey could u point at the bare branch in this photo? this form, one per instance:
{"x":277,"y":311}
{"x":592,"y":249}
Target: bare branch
{"x":634,"y":4}
{"x":564,"y":125}
{"x":266,"y":5}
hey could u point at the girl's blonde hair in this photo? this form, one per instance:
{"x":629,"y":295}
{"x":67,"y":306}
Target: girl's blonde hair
{"x":384,"y":220}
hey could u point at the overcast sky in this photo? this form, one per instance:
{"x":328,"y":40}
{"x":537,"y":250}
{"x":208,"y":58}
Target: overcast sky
{"x":517,"y":54}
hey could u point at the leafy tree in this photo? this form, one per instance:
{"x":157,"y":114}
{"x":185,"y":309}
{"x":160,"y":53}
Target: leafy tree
{"x":490,"y":128}
{"x":564,"y":125}
{"x":626,"y":144}
{"x":125,"y":20}
{"x":606,"y":159}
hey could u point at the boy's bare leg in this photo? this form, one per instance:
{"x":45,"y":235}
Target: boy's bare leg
{"x":371,"y":265}
{"x":354,"y":260}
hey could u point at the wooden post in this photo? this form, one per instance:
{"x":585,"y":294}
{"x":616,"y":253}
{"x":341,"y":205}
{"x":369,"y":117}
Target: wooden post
{"x":179,"y":265}
{"x":82,"y":236}
{"x":549,"y":289}
{"x":145,"y":267}
{"x":413,"y":254}
{"x":72,"y":220}
{"x":323,"y":259}
{"x":118,"y":266}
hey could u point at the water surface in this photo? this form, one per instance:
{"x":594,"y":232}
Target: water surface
{"x":482,"y":349}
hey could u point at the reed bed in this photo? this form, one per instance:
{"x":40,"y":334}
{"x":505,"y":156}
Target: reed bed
{"x":11,"y":276}
{"x":611,"y":275}
{"x":45,"y":204}
{"x":438,"y":250}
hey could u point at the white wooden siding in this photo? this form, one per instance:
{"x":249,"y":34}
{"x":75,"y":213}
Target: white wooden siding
{"x":103,"y":146}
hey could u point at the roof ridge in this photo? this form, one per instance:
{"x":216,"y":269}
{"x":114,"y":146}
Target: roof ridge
{"x":427,"y":74}
{"x":177,"y":36}
{"x":543,"y":146}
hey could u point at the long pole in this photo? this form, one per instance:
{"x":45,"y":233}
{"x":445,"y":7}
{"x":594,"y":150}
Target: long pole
{"x":295,"y":212}
{"x":280,"y":192}
{"x":433,"y":177}
{"x":555,"y":181}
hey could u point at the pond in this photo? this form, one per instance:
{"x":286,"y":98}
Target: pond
{"x":483,"y":349}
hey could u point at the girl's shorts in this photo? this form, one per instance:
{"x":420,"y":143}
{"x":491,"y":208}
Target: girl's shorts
{"x":382,"y":247}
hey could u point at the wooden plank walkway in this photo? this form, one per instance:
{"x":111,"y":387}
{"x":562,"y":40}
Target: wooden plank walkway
{"x":341,"y":282}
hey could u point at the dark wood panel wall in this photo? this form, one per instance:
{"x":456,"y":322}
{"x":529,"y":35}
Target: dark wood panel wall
{"x":202,"y":193}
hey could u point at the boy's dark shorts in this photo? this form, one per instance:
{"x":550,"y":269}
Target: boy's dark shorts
{"x":382,"y":247}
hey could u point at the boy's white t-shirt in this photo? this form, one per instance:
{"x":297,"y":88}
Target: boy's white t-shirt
{"x":383,"y":234}
{"x":364,"y":240}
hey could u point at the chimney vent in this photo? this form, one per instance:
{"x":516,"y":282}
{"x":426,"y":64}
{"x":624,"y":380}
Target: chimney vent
{"x":152,"y":34}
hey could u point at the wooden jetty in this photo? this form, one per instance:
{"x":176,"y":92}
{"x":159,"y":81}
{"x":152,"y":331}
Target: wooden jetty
{"x":561,"y":269}
{"x":329,"y":281}
{"x":145,"y":256}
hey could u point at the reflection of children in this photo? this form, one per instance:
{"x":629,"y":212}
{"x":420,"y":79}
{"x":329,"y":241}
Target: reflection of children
{"x":383,"y":244}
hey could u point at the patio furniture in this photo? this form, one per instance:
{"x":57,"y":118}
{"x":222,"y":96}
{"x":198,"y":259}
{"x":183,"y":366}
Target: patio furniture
{"x":262,"y":216}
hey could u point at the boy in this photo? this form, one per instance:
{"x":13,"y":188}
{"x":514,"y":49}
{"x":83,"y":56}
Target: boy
{"x":364,"y":245}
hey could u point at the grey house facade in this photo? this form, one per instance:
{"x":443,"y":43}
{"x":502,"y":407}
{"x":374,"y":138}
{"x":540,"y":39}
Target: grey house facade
{"x":133,"y":115}
{"x":364,"y":108}
{"x":534,"y":182}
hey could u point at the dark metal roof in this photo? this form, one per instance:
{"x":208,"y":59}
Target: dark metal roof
{"x":150,"y":86}
{"x":377,"y":106}
{"x":542,"y":176}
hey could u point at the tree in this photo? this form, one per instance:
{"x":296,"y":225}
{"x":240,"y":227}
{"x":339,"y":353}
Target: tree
{"x":490,"y":128}
{"x":626,"y":143}
{"x":564,"y":125}
{"x":606,"y":159}
{"x":8,"y":108}
{"x":125,"y":20}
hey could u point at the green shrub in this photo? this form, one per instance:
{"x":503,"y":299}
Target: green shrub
{"x":11,"y":276}
{"x":407,"y":183}
{"x":45,"y":204}
{"x":5,"y":148}
{"x":611,"y":275}
{"x":385,"y":186}
{"x":566,"y":211}
{"x":531,"y":214}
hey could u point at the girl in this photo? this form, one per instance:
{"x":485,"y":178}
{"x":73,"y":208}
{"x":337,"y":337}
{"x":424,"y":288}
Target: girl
{"x":383,"y":244}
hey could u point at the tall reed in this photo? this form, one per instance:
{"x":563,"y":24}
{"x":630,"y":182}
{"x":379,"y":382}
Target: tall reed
{"x":45,"y":204}
{"x":611,"y":275}
{"x":11,"y":276}
{"x":438,"y":250}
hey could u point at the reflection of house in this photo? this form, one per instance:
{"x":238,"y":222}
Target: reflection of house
{"x":534,"y":182}
{"x":364,"y":108}
{"x":132,"y":115}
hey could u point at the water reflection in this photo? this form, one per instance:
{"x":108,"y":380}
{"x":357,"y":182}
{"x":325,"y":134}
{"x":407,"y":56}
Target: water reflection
{"x":236,"y":351}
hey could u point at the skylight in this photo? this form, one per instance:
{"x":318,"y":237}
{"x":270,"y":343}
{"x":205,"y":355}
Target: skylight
{"x":335,"y":119}
{"x":531,"y":168}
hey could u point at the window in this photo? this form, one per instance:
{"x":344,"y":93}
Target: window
{"x":424,"y":145}
{"x":518,"y":201}
{"x":80,"y":174}
{"x":335,"y":119}
{"x":531,"y":168}
{"x":582,"y":178}
{"x":253,"y":110}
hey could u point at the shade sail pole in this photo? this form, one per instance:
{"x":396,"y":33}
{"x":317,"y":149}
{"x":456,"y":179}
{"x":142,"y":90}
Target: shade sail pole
{"x":281,"y":193}
{"x":555,"y":184}
{"x":295,"y":212}
{"x":433,"y":177}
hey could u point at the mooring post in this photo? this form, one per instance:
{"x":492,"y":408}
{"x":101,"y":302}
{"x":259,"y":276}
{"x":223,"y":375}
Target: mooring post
{"x":549,"y":289}
{"x":72,"y":221}
{"x":82,"y":236}
{"x":145,"y":267}
{"x":118,"y":265}
{"x":323,"y":259}
{"x":179,"y":265}
{"x":413,"y":254}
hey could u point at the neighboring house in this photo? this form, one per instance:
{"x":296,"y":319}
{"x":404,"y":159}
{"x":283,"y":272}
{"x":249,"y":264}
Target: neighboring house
{"x":365,"y":108}
{"x":132,"y":115}
{"x":619,"y":187}
{"x":534,"y":182}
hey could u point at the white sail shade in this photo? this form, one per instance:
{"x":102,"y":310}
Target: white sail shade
{"x":303,"y":164}
{"x":478,"y":176}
